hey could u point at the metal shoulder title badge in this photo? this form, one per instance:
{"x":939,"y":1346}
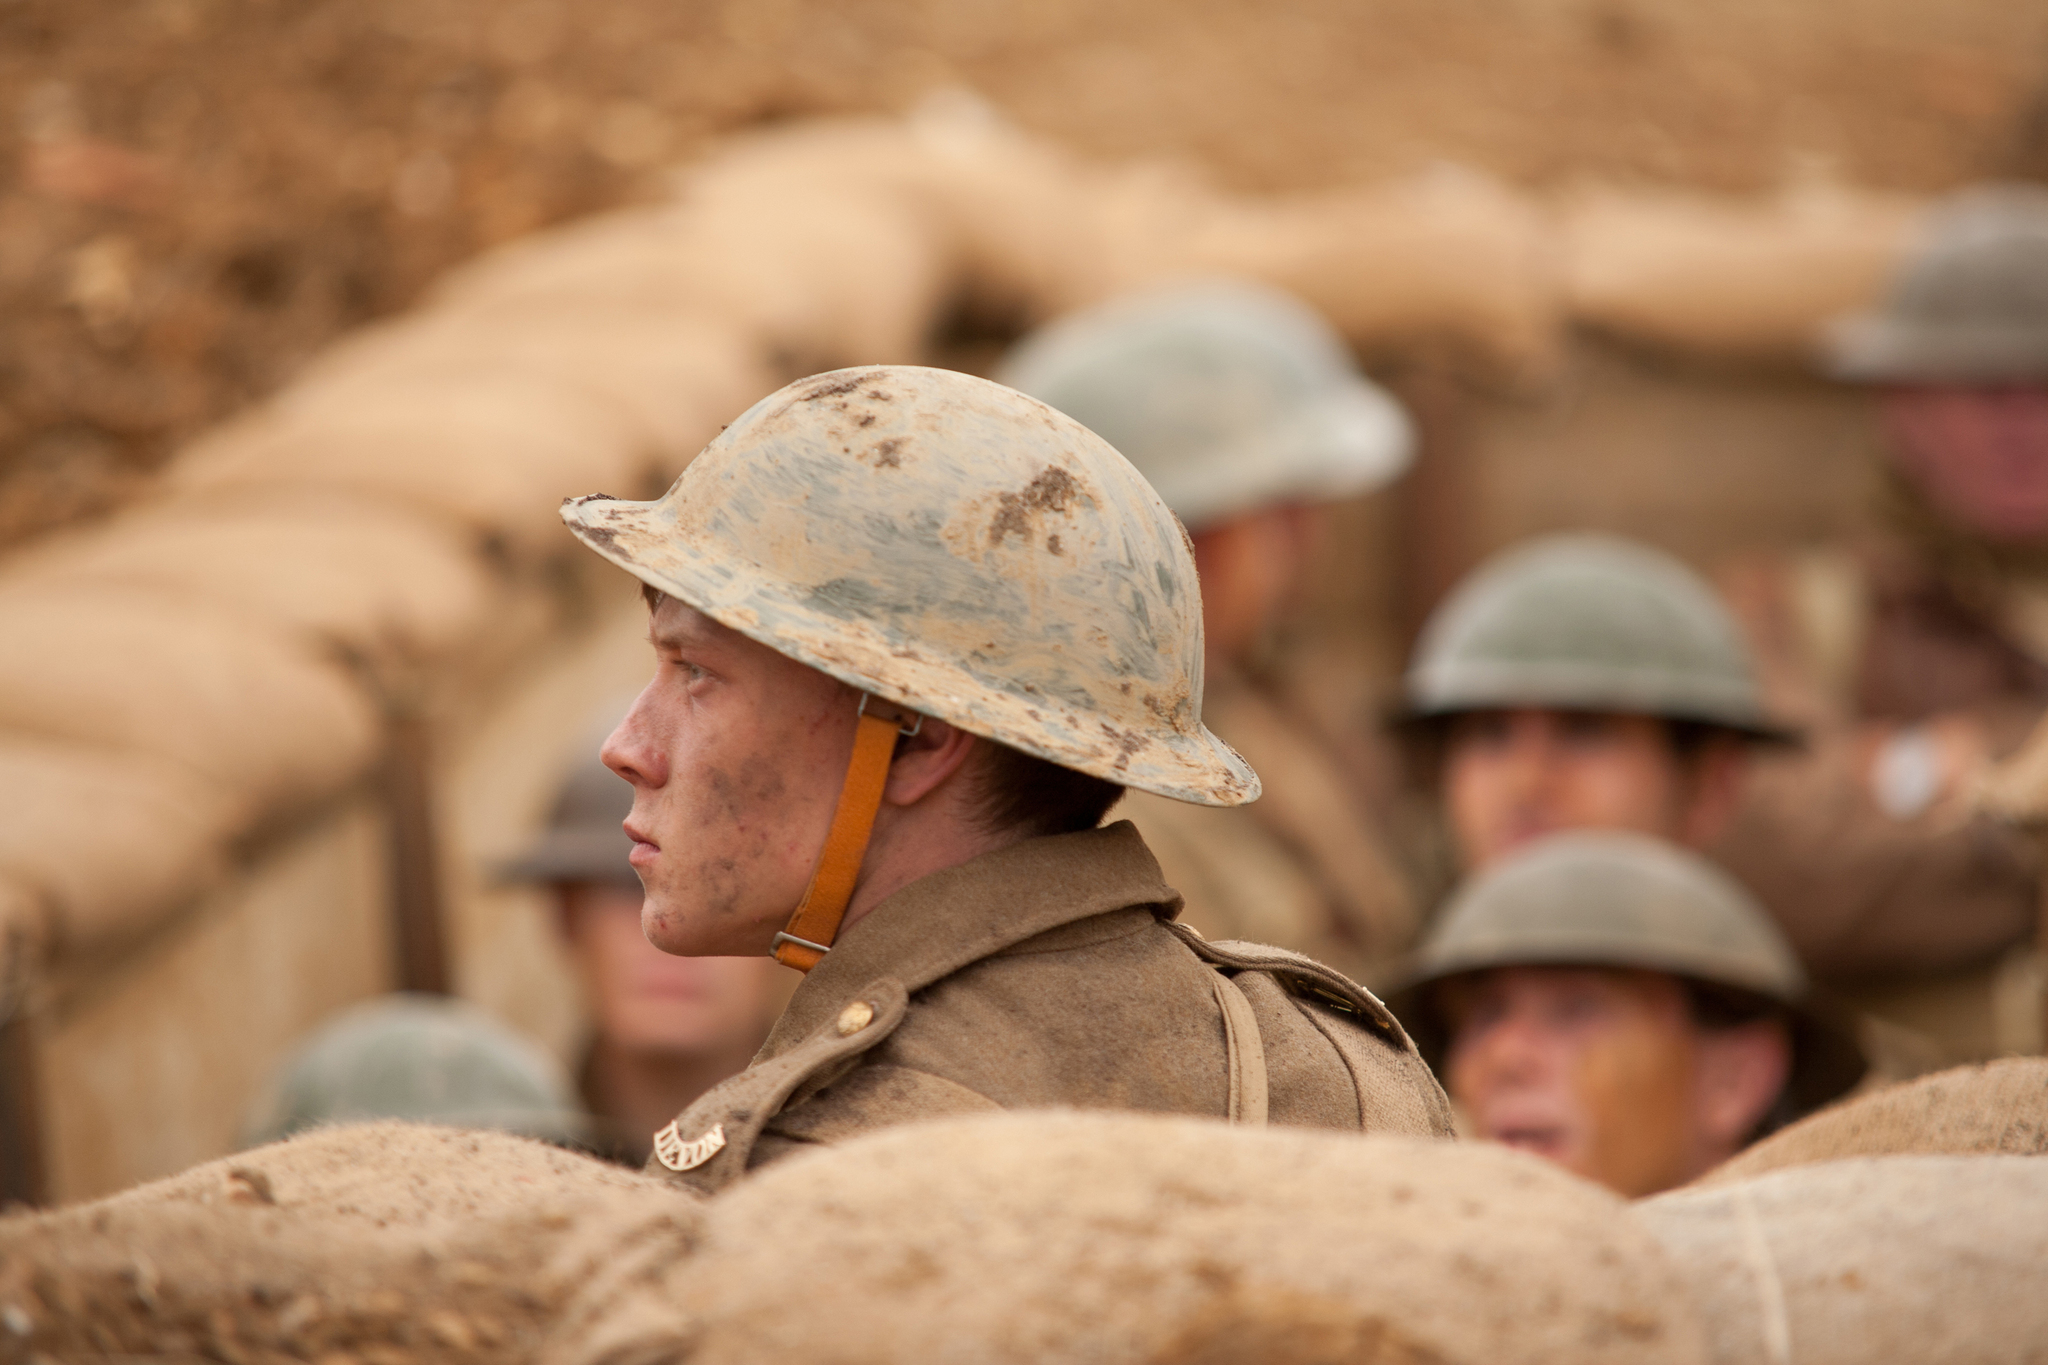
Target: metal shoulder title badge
{"x":671,"y":1151}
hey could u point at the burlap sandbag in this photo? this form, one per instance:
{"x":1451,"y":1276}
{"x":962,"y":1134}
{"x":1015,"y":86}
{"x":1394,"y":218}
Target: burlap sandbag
{"x":371,"y":578}
{"x":1450,"y":260}
{"x":1994,"y":1107}
{"x":676,"y":377}
{"x":1099,"y":1237}
{"x":1720,"y":277}
{"x":248,"y":709}
{"x":825,"y":269}
{"x":25,"y":925}
{"x":106,"y":838}
{"x":383,"y":1242}
{"x":497,"y":452}
{"x":1903,"y":1258}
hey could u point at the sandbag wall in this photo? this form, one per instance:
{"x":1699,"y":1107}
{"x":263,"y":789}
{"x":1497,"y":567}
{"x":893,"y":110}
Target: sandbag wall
{"x":1032,"y":1237}
{"x":198,"y":695}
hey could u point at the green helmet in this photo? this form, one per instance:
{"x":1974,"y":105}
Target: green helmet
{"x":1229,"y":397}
{"x":1970,"y":304}
{"x":1587,"y":623}
{"x":585,"y":840}
{"x":425,"y":1058}
{"x":1605,"y":898}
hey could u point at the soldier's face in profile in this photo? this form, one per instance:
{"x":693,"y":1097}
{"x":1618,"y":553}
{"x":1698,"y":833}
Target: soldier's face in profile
{"x":736,"y":755}
{"x":1978,"y":454}
{"x":1605,"y":1072}
{"x":1513,"y":776}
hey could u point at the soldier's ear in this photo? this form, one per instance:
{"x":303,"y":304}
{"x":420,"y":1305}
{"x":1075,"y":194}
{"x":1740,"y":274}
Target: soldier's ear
{"x":925,"y":760}
{"x":1713,"y":779}
{"x":1740,"y":1072}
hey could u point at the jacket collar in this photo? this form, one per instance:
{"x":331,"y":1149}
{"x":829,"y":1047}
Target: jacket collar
{"x":941,"y":923}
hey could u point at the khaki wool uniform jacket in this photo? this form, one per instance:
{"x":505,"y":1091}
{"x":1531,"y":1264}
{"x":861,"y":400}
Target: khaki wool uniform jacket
{"x":1050,"y":974}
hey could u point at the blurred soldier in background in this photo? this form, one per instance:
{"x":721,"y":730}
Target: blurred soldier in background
{"x":1921,"y":656}
{"x":1583,"y":682}
{"x":664,"y":1029}
{"x":427,"y":1058}
{"x":1623,"y":1008}
{"x":1246,"y":411}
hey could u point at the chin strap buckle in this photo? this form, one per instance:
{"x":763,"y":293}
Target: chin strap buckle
{"x":908,"y":729}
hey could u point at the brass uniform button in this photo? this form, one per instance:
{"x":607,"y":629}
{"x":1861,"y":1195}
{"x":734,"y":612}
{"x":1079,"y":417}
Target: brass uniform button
{"x":854,"y":1018}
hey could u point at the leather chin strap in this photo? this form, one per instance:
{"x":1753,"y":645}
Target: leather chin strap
{"x":808,"y":936}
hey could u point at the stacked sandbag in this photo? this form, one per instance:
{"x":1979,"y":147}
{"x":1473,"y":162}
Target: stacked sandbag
{"x":1904,"y":1258}
{"x":1107,"y":1238}
{"x":384,"y":1242}
{"x":1451,"y":262}
{"x":1994,"y":1107}
{"x":1723,"y":278}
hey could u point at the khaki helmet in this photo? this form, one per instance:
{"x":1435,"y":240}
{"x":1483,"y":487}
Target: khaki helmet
{"x":584,"y":838}
{"x":1228,"y":396}
{"x":1970,"y":304}
{"x":1587,"y":623}
{"x":954,"y":549}
{"x":425,"y":1058}
{"x":1606,"y":898}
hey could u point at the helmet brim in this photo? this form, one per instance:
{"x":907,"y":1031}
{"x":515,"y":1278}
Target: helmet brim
{"x":1827,"y":1059}
{"x":1880,"y":348}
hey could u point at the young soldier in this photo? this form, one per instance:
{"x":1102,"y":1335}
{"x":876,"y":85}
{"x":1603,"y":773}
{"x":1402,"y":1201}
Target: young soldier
{"x":1623,"y":1008}
{"x":1584,"y":682}
{"x":914,"y":633}
{"x":663,"y":1029}
{"x":1247,"y":413}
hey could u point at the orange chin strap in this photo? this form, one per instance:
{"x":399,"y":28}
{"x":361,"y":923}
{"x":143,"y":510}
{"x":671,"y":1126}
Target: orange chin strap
{"x":808,"y":936}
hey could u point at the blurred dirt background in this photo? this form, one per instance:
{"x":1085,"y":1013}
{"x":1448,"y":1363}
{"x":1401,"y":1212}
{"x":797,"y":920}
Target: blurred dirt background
{"x":198,"y":194}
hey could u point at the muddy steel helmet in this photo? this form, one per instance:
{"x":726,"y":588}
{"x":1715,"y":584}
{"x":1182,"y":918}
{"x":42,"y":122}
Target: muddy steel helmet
{"x":952,"y":548}
{"x":1614,"y":899}
{"x":1587,"y":623}
{"x":1229,"y":396}
{"x":1970,"y":304}
{"x":424,"y":1058}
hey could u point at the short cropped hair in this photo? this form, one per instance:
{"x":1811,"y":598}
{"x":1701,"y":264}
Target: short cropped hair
{"x":1019,"y":792}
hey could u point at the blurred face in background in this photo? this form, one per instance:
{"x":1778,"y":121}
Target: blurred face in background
{"x":1513,"y":776}
{"x":1605,"y":1072}
{"x":1978,"y":455}
{"x":650,"y":1002}
{"x":1252,"y":569}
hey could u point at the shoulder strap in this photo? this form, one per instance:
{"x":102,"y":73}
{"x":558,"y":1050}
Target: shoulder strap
{"x":1247,"y":1051}
{"x":1302,"y":976}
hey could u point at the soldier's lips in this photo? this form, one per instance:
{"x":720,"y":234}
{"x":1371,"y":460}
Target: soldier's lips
{"x":644,"y":849}
{"x":1545,"y":1142}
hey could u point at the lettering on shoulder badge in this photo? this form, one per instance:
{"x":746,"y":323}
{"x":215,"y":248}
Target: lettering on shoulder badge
{"x":671,"y":1151}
